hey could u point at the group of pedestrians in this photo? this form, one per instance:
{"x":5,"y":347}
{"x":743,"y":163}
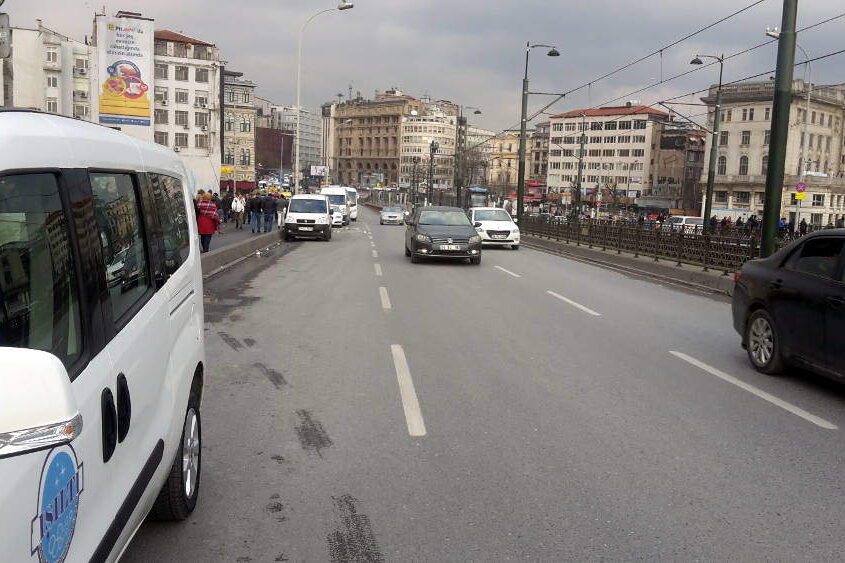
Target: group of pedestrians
{"x":262,"y":210}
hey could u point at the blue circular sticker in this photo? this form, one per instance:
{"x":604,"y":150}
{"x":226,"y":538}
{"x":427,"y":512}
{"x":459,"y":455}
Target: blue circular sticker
{"x":58,"y":505}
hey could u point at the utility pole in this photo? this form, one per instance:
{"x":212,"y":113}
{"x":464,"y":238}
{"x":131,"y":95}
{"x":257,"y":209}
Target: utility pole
{"x":577,"y":211}
{"x":780,"y":127}
{"x":714,"y":143}
{"x":414,"y":184}
{"x":460,"y":157}
{"x":432,"y":148}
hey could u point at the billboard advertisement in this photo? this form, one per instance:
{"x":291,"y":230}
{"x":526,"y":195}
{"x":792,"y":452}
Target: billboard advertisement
{"x":125,"y":54}
{"x":320,"y":171}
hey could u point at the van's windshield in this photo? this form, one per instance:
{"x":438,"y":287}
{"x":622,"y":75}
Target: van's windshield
{"x":353,"y":198}
{"x":336,"y":199}
{"x":307,"y":206}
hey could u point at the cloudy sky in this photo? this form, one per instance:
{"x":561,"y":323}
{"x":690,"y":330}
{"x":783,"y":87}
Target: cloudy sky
{"x":471,"y":51}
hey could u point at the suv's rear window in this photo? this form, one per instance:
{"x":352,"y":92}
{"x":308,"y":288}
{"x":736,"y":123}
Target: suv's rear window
{"x":39,"y":300}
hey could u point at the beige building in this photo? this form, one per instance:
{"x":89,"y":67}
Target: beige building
{"x":418,"y":133}
{"x":504,"y":161}
{"x":537,"y":155}
{"x":814,"y":147}
{"x":239,"y":121}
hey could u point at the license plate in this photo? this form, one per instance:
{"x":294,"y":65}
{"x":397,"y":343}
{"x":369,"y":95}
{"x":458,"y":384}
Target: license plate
{"x":450,"y":247}
{"x":306,"y":228}
{"x":499,"y":236}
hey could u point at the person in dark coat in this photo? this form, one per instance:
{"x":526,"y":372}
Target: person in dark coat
{"x":227,"y":206}
{"x":268,"y":210}
{"x":802,"y":227}
{"x":254,"y":208}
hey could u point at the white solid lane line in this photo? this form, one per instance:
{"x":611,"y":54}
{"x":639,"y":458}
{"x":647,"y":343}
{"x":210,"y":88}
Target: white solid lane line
{"x":797,"y":411}
{"x":372,"y":244}
{"x":375,"y":253}
{"x":508,"y":272}
{"x":573,"y":303}
{"x":410,"y":403}
{"x":385,"y":300}
{"x":378,"y":269}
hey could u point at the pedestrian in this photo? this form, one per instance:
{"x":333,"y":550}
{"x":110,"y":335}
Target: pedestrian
{"x":197,"y":199}
{"x":227,"y":206}
{"x":840,"y":223}
{"x":281,"y":210}
{"x":802,"y":227}
{"x":238,"y":208}
{"x":207,"y":220}
{"x":255,"y":213}
{"x":268,"y":210}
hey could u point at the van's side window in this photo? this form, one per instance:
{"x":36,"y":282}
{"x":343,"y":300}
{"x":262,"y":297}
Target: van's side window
{"x":117,"y":213}
{"x":169,"y":202}
{"x":39,"y":299}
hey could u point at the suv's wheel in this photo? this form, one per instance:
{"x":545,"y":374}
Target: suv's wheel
{"x":763,"y":343}
{"x":178,"y":496}
{"x":407,"y":252}
{"x":415,"y":259}
{"x":475,"y":261}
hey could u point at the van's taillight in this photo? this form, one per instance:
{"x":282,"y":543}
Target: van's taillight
{"x":737,"y":277}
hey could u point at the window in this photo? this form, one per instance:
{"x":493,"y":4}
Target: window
{"x":802,"y":139}
{"x":201,"y":75}
{"x":161,"y":70}
{"x":52,"y":80}
{"x":161,"y":116}
{"x":246,"y":157}
{"x":201,"y":141}
{"x":181,"y":96}
{"x":722,"y":166}
{"x":720,"y":196}
{"x":180,"y":140}
{"x":637,"y":152}
{"x":743,"y":166}
{"x":639,"y":139}
{"x":745,"y":115}
{"x":819,"y":143}
{"x":764,"y":169}
{"x":160,"y":94}
{"x":201,"y":119}
{"x":80,"y":64}
{"x":246,"y":125}
{"x":608,"y":152}
{"x":596,"y":126}
{"x":247,"y":97}
{"x":624,"y":125}
{"x":610,"y":139}
{"x":39,"y":304}
{"x":80,"y":111}
{"x":595,"y":139}
{"x":160,"y":48}
{"x":818,"y":200}
{"x":610,"y":126}
{"x":180,"y":50}
{"x":746,"y":138}
{"x":813,"y":118}
{"x":160,"y":137}
{"x":569,"y":127}
{"x":742,"y":197}
{"x":557,"y":126}
{"x":751,"y":114}
{"x":556,"y":140}
{"x":229,"y":156}
{"x":594,"y":152}
{"x":768,"y":114}
{"x":817,"y":257}
{"x":52,"y":55}
{"x":569,"y":140}
{"x":767,"y":136}
{"x":723,"y":138}
{"x":821,"y":119}
{"x":169,"y":204}
{"x":624,"y":139}
{"x":730,"y":115}
{"x":555,"y":152}
{"x":624,"y":152}
{"x":202,"y":52}
{"x":827,"y":145}
{"x":181,"y":117}
{"x":52,"y":105}
{"x":117,"y":213}
{"x":640,"y":124}
{"x":181,"y":73}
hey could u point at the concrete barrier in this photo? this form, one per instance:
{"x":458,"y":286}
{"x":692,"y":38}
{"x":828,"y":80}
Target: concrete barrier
{"x":215,"y":260}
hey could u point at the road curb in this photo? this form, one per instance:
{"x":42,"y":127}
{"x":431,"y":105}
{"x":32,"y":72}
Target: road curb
{"x":218,"y":260}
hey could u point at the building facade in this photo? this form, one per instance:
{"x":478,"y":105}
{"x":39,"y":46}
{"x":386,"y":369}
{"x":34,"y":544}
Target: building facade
{"x":479,"y":147}
{"x":504,"y":161}
{"x":187,"y":103}
{"x":418,"y":133}
{"x":814,"y":149}
{"x":239,"y":119}
{"x":678,"y":163}
{"x":537,"y":156}
{"x":47,"y":71}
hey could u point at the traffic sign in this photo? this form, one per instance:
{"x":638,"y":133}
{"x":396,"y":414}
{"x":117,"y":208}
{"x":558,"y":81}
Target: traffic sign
{"x":800,"y":195}
{"x":800,"y":187}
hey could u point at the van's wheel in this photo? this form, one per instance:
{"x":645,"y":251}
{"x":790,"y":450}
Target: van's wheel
{"x":763,"y":343}
{"x":178,"y":496}
{"x":328,"y":236}
{"x":514,"y":247}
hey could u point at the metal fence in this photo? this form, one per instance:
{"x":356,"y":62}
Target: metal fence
{"x":723,"y":251}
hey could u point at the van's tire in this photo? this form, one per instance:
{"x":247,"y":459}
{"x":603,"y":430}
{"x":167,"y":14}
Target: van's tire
{"x":514,"y":247}
{"x":328,"y":236}
{"x":174,"y":502}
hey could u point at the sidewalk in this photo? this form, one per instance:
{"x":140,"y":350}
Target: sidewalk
{"x":231,"y":236}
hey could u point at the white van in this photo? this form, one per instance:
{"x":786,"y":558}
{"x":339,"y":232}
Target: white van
{"x":687,"y":223}
{"x":309,"y":216}
{"x":101,"y":338}
{"x":338,"y":199}
{"x":352,"y":196}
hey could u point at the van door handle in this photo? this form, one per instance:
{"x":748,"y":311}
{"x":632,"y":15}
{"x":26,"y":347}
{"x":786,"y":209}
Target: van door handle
{"x":124,"y":408}
{"x":109,"y":424}
{"x":836,"y":300}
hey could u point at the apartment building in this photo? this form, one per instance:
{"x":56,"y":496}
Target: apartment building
{"x":504,"y":161}
{"x":186,"y":96}
{"x":814,"y":149}
{"x":537,"y":156}
{"x":47,"y":71}
{"x":418,"y":133}
{"x":619,"y":148}
{"x":678,"y":163}
{"x":479,"y":147}
{"x":239,"y":120}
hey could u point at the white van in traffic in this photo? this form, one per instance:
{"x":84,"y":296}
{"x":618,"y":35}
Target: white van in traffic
{"x":309,"y":216}
{"x":338,"y":199}
{"x":352,"y":196}
{"x":101,"y":338}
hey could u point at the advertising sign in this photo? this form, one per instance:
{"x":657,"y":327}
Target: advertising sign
{"x":800,"y":195}
{"x":125,"y":52}
{"x":320,"y":171}
{"x":5,"y":37}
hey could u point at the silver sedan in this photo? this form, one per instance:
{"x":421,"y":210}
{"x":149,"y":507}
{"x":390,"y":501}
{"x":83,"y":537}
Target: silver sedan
{"x":392,"y":216}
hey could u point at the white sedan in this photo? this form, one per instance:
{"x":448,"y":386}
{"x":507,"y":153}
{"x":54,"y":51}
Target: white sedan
{"x":392,"y":216}
{"x":495,"y":226}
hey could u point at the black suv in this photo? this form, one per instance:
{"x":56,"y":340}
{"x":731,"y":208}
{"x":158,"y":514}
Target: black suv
{"x":790,"y":307}
{"x":441,"y":232}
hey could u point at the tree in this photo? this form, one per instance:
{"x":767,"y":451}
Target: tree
{"x":613,"y":193}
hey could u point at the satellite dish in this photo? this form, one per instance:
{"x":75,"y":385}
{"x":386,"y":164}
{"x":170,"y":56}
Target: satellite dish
{"x":414,"y":112}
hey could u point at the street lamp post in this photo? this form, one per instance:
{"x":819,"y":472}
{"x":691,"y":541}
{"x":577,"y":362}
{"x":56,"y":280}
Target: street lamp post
{"x":432,"y":148}
{"x":344,"y":5}
{"x":523,"y":122}
{"x":711,"y":168}
{"x":414,"y":185}
{"x":460,"y":151}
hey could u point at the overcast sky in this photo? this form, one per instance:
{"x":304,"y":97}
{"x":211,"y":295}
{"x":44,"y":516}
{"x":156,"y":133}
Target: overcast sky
{"x":471,"y":51}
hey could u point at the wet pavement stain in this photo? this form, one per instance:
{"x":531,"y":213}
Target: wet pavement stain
{"x":275,"y":377}
{"x":248,"y":341}
{"x":278,"y":459}
{"x":281,"y":557}
{"x":354,"y":539}
{"x":311,"y":434}
{"x":230,"y":340}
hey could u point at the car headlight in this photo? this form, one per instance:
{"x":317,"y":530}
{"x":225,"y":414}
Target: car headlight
{"x":423,"y":238}
{"x":515,"y":231}
{"x":474,"y":238}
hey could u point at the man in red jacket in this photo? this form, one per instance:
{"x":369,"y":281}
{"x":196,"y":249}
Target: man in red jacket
{"x":207,"y":220}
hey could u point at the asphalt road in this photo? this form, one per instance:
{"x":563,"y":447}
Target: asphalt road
{"x":550,"y":410}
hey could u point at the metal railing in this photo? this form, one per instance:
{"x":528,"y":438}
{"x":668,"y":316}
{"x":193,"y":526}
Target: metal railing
{"x":725,"y":251}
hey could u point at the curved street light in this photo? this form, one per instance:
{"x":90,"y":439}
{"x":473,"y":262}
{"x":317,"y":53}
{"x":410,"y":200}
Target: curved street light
{"x":344,"y":5}
{"x":711,"y":167}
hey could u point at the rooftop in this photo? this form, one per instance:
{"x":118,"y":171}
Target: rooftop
{"x":612,"y":110}
{"x":167,"y":35}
